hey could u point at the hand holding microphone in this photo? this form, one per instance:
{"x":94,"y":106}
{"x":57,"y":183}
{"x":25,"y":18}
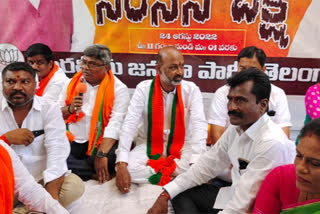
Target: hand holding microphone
{"x":77,"y":101}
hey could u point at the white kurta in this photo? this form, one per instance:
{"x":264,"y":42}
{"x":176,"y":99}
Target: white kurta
{"x":137,"y":119}
{"x":55,"y":86}
{"x":264,"y":145}
{"x":29,"y":192}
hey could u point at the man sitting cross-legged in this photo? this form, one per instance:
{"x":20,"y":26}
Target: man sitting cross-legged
{"x":172,"y":130}
{"x":36,"y":131}
{"x":94,"y":104}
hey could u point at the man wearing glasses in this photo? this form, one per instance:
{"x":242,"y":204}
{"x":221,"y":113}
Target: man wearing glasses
{"x":94,"y":104}
{"x":52,"y":78}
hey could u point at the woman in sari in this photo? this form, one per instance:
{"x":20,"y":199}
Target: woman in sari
{"x":295,"y":188}
{"x":312,"y":104}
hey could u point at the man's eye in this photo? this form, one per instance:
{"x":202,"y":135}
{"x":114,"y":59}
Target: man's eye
{"x":298,"y":155}
{"x":26,"y":81}
{"x":173,"y":67}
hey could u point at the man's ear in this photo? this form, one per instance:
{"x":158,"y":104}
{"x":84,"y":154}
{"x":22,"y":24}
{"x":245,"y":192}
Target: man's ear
{"x":107,"y":67}
{"x":51,"y":63}
{"x":264,"y":105}
{"x":157,"y":67}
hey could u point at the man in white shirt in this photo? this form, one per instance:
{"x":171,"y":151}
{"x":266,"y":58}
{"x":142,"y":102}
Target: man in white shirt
{"x":36,"y":132}
{"x":167,"y":113}
{"x":52,"y":78}
{"x":218,"y":114}
{"x":27,"y":189}
{"x":254,"y":145}
{"x":94,"y":116}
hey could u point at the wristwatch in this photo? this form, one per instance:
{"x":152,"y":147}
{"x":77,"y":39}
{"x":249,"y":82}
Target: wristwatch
{"x":102,"y":154}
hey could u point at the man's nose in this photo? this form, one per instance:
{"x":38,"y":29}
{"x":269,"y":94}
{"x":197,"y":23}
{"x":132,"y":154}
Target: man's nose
{"x":18,"y":85}
{"x":231,"y":105}
{"x":180,"y":71}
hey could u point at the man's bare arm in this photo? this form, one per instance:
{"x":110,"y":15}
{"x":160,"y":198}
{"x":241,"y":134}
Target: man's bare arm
{"x":286,"y":131}
{"x":53,"y":187}
{"x":215,"y":133}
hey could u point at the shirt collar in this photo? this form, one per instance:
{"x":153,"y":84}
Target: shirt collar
{"x":251,"y":132}
{"x":35,"y":105}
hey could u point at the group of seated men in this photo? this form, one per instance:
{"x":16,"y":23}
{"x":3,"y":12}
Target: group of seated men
{"x":88,"y":127}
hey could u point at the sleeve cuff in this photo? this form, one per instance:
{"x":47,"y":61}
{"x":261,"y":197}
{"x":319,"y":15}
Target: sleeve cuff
{"x":111,"y":133}
{"x":122,"y":156}
{"x":49,"y":176}
{"x":217,"y":122}
{"x":285,"y":124}
{"x":173,"y":189}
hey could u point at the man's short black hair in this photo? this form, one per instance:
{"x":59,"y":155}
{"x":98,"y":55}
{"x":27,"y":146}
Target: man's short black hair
{"x":250,"y":52}
{"x":39,"y":49}
{"x":261,"y":84}
{"x":311,"y":128}
{"x":18,"y":66}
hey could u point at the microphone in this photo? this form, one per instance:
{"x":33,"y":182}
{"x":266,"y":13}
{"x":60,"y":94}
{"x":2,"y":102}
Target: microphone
{"x":81,"y":89}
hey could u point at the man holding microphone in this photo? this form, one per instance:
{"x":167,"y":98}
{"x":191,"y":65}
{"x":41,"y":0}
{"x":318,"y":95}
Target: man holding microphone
{"x":94,"y":104}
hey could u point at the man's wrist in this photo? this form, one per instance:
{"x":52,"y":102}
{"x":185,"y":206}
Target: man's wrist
{"x":102,"y":154}
{"x":69,"y":110}
{"x":166,"y":195}
{"x":121,"y":164}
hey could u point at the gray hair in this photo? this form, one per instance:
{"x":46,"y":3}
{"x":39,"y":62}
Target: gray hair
{"x":100,"y":52}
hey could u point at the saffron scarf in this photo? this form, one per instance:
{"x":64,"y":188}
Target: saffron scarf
{"x":44,"y":82}
{"x":164,"y":167}
{"x":6,"y":182}
{"x":101,"y":111}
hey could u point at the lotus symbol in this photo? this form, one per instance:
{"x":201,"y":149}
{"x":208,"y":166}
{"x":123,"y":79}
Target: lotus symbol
{"x":8,"y":56}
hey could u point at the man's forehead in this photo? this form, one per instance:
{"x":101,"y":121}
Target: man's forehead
{"x":90,"y":58}
{"x":36,"y":57}
{"x":21,"y":74}
{"x":243,"y":89}
{"x":250,"y":62}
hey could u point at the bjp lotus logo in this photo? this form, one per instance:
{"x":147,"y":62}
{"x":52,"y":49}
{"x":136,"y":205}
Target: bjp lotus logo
{"x":8,"y":56}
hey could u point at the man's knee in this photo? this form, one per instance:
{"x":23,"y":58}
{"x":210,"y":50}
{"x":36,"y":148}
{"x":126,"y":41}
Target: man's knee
{"x":71,"y":189}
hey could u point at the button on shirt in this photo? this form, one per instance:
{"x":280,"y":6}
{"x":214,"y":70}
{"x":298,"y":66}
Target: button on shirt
{"x":28,"y":190}
{"x":45,"y":158}
{"x":137,"y":116}
{"x":120,"y":104}
{"x":218,"y":112}
{"x":263,"y":145}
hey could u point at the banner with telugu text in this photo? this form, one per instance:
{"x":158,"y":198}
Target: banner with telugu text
{"x":210,"y":33}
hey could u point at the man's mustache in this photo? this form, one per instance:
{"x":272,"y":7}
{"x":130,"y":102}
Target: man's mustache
{"x":178,"y":77}
{"x":17,"y":92}
{"x":235,"y":113}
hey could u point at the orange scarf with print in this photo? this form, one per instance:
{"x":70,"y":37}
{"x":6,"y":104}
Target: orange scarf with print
{"x":101,"y":111}
{"x":6,"y":182}
{"x":164,"y":167}
{"x":44,"y":82}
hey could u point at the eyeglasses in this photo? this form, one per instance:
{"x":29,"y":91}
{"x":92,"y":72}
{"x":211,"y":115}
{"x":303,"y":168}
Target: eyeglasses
{"x":90,"y":65}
